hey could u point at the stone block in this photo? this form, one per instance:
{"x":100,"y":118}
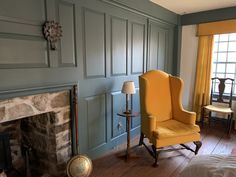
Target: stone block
{"x":63,"y":155}
{"x":66,"y":115}
{"x":40,"y":101}
{"x":20,"y":110}
{"x":2,"y":112}
{"x":62,"y":128}
{"x":61,"y":100}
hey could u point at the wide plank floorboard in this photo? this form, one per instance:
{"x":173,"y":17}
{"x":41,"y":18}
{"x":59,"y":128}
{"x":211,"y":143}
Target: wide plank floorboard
{"x":214,"y":141}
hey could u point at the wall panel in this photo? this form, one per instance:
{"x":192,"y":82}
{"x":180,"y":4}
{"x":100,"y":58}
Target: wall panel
{"x":34,"y":55}
{"x":119,"y":46}
{"x":96,"y":112}
{"x":21,"y":41}
{"x":160,"y":46}
{"x":137,"y":48}
{"x":67,"y":42}
{"x":118,"y":105}
{"x":94,"y":30}
{"x":20,"y":10}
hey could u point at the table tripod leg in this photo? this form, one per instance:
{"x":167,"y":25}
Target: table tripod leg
{"x":128,"y":136}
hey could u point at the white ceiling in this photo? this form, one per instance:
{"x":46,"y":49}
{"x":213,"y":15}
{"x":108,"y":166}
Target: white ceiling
{"x":190,"y":6}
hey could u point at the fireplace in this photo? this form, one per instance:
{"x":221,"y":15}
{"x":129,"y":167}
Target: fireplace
{"x":37,"y":131}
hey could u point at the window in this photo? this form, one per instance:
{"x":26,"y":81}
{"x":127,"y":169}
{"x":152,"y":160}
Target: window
{"x":224,"y":59}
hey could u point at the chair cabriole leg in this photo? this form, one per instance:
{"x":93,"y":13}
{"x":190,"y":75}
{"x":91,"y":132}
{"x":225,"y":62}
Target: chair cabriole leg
{"x":154,"y":149}
{"x":209,"y":119}
{"x":230,"y":124}
{"x":202,"y":116}
{"x":198,"y":146}
{"x":141,"y":139}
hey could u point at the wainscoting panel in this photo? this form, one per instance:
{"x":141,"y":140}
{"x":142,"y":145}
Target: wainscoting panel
{"x":137,"y":48}
{"x":119,"y":42}
{"x":118,"y":122}
{"x":94,"y":33}
{"x":67,"y":42}
{"x":96,"y":117}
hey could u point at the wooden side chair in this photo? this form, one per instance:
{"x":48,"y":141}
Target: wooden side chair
{"x":220,"y":102}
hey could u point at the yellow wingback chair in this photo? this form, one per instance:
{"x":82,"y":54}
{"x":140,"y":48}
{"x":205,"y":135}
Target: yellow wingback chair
{"x":163,"y":120}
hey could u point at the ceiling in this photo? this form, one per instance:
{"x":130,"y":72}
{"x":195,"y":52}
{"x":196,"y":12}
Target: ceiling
{"x":190,"y":6}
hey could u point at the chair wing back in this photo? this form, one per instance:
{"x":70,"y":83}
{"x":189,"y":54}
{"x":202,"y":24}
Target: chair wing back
{"x":176,"y":95}
{"x":155,"y":95}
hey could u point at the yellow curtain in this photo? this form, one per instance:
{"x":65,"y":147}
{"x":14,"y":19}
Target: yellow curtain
{"x":203,"y":74}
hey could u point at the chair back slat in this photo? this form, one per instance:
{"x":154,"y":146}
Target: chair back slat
{"x":221,"y":87}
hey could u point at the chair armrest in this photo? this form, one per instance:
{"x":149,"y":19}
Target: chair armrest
{"x":152,"y":122}
{"x":187,"y":117}
{"x":148,"y":124}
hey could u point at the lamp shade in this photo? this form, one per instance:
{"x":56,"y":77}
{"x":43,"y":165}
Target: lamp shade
{"x":128,"y":87}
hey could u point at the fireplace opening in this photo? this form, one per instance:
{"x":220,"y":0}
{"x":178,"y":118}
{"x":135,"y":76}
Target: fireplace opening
{"x":35,"y":146}
{"x":5,"y":152}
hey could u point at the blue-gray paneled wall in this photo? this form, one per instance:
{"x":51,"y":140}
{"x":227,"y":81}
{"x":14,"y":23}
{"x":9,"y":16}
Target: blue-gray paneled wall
{"x":104,"y":43}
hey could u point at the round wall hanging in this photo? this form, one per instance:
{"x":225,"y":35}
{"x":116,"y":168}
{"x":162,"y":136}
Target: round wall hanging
{"x":52,"y":32}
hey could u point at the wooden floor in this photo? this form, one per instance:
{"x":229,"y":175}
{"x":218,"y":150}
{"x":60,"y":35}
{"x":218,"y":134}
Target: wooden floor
{"x":214,"y":139}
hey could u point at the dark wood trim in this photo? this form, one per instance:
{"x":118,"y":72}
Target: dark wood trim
{"x":74,"y":119}
{"x":209,"y":16}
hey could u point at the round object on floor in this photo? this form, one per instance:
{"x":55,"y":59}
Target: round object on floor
{"x":79,"y":166}
{"x":2,"y":173}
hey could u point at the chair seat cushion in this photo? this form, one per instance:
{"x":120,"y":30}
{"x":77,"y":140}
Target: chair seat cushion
{"x":173,"y":128}
{"x":219,"y":108}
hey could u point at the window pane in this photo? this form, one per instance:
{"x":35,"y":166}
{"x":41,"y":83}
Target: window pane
{"x":223,"y":46}
{"x":224,"y":37}
{"x":214,"y":57}
{"x":213,"y":75}
{"x":213,"y":86}
{"x":230,"y":68}
{"x":216,"y":38}
{"x":229,"y":76}
{"x":232,"y":36}
{"x":232,"y":46}
{"x":227,"y":88}
{"x":214,"y":67}
{"x":215,"y":47}
{"x":222,"y":57}
{"x":232,"y":57}
{"x":220,"y":75}
{"x":221,"y":68}
{"x":216,"y":88}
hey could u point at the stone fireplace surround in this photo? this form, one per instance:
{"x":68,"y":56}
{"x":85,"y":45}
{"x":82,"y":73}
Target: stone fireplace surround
{"x":44,"y":120}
